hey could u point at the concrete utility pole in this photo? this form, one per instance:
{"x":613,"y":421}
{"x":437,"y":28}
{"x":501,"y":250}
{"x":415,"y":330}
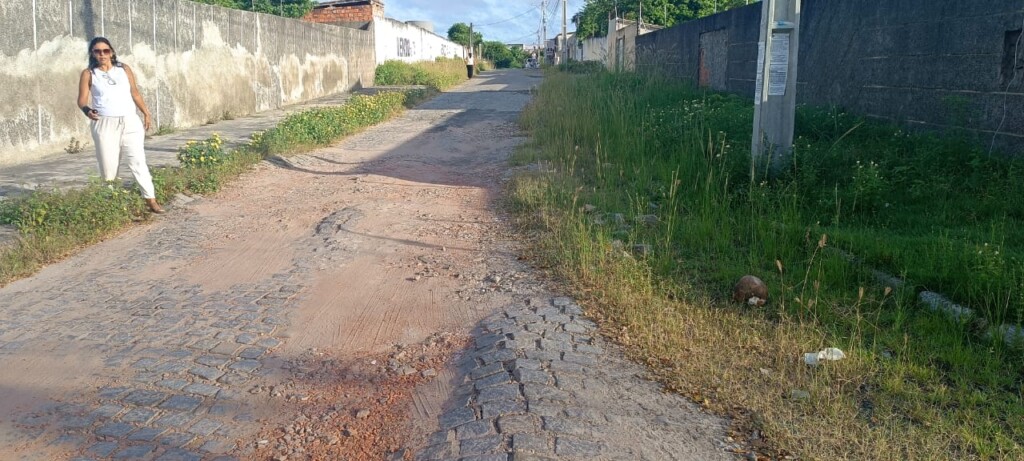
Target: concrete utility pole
{"x":775,"y":93}
{"x":565,"y":38}
{"x":471,"y":47}
{"x":544,"y":30}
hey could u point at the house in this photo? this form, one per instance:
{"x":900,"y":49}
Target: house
{"x":357,"y":14}
{"x":408,"y":41}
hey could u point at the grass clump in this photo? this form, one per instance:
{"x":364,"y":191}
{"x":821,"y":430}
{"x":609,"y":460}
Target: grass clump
{"x":53,"y":224}
{"x":320,"y":126}
{"x":640,"y":197}
{"x":441,"y":74}
{"x":483,"y":65}
{"x":582,"y":67}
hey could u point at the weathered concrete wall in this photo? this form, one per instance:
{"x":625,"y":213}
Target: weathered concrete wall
{"x":594,"y":49}
{"x":622,"y":42}
{"x":935,"y":64}
{"x":194,"y":63}
{"x":397,"y":40}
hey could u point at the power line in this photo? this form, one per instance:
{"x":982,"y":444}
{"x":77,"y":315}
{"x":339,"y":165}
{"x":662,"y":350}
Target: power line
{"x":554,"y":8}
{"x":519,"y":38}
{"x":513,"y":17}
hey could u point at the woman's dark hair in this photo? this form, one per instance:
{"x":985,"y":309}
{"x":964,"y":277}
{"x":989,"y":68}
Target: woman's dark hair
{"x":93,"y":63}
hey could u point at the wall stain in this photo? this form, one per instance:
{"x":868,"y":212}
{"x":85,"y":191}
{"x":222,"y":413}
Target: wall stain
{"x":195,"y":85}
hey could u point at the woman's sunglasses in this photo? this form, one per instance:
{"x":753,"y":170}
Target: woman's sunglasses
{"x":102,"y":51}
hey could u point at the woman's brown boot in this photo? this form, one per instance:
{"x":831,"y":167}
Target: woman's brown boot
{"x":153,"y":206}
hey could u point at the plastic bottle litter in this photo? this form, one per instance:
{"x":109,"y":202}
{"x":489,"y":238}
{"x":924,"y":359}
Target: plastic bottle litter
{"x":830,"y":354}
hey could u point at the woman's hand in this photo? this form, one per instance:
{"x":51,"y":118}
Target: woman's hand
{"x":93,"y":115}
{"x":147,"y":121}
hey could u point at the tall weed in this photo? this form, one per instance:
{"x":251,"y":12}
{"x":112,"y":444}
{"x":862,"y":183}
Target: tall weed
{"x":645,"y":203}
{"x":441,"y":74}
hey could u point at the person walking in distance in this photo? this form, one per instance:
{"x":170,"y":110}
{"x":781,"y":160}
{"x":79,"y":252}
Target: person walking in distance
{"x":470,"y":67}
{"x":108,"y":95}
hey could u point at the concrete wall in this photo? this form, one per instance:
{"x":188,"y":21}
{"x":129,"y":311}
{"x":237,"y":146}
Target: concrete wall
{"x":594,"y":49}
{"x":934,"y":64}
{"x":194,"y":63}
{"x":401,"y":41}
{"x":622,"y":42}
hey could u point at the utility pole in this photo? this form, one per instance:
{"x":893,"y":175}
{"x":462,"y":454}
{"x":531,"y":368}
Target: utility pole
{"x":565,"y":39}
{"x":544,"y":30}
{"x":775,"y":93}
{"x":471,"y":47}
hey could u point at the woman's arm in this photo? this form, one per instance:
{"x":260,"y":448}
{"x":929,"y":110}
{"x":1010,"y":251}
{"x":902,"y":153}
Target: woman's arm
{"x":137,"y":97}
{"x":85,"y":96}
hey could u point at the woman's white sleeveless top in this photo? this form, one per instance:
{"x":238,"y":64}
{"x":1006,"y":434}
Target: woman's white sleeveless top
{"x":112,"y":92}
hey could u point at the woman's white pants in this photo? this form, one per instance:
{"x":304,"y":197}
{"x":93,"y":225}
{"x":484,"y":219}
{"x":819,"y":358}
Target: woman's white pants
{"x":117,"y":136}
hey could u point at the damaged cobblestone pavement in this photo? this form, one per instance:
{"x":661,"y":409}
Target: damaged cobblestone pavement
{"x":360,"y":301}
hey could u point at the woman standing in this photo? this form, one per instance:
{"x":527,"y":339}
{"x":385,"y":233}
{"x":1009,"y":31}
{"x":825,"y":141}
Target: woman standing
{"x":107,"y":94}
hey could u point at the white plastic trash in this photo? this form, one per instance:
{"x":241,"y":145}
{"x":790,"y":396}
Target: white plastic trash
{"x":830,"y":354}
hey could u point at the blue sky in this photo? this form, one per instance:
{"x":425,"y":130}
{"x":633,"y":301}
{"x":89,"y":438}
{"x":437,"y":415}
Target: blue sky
{"x":509,"y":21}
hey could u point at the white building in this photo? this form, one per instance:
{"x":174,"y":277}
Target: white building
{"x":411,"y":41}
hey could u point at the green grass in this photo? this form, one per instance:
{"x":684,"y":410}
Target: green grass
{"x":440,"y":75}
{"x":582,"y":67}
{"x":163,"y":130}
{"x":318,"y":127}
{"x":54,"y":224}
{"x":616,"y":148}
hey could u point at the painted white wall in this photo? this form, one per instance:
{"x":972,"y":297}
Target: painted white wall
{"x":396,"y":40}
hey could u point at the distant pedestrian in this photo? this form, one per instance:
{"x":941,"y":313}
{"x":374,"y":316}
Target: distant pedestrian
{"x":470,"y":66}
{"x":108,"y":95}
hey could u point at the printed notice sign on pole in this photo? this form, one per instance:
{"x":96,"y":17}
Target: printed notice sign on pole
{"x":778,"y":71}
{"x":759,"y":82}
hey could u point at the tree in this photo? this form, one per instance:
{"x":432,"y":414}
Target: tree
{"x":593,"y":18}
{"x":286,"y":8}
{"x":502,"y":55}
{"x":225,"y":3}
{"x":459,"y":33}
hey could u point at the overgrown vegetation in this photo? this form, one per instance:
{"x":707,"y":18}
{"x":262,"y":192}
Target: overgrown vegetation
{"x":286,"y":8}
{"x":52,"y":224}
{"x":441,"y":74}
{"x":581,"y":67}
{"x":321,"y":126}
{"x":640,"y":197}
{"x":498,"y":54}
{"x":504,"y":56}
{"x":592,"y":19}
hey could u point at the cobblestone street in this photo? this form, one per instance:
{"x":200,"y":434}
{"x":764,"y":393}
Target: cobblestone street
{"x":157,"y":344}
{"x":187,"y":354}
{"x":541,"y":384}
